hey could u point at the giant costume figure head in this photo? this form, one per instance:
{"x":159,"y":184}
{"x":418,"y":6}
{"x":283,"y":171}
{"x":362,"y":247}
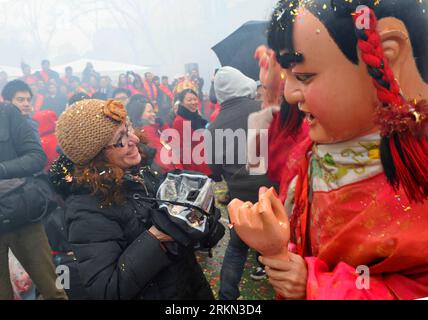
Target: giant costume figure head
{"x":358,"y":67}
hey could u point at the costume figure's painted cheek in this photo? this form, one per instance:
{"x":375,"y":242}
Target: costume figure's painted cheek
{"x":317,"y":107}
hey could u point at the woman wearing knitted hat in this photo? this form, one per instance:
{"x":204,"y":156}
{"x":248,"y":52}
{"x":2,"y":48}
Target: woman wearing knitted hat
{"x":120,"y":253}
{"x":358,"y":207}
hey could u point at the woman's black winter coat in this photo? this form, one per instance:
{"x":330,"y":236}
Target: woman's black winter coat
{"x":119,"y":259}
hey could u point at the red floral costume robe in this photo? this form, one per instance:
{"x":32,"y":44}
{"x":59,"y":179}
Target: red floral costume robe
{"x":346,"y":215}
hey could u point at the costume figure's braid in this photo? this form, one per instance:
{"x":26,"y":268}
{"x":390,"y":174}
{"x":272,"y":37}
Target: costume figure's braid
{"x":404,"y":147}
{"x":378,"y":67}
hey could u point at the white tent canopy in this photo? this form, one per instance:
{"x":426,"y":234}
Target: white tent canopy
{"x":12,"y":72}
{"x":104,"y":67}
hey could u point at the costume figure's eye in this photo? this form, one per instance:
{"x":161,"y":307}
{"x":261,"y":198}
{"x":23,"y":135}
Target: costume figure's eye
{"x":304,"y":77}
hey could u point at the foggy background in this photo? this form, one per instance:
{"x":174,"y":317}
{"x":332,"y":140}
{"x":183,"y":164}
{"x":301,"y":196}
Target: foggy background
{"x":161,"y":34}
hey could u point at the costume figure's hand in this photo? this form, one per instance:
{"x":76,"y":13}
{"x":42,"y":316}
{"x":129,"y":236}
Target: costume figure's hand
{"x":263,"y":226}
{"x":271,"y":75}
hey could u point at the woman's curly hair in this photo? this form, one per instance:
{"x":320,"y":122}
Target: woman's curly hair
{"x":103,"y":179}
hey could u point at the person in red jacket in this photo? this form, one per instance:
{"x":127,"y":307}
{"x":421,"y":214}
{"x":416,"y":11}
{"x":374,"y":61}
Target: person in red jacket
{"x":143,"y":117}
{"x":150,"y":87}
{"x":47,"y":121}
{"x":189,"y":117}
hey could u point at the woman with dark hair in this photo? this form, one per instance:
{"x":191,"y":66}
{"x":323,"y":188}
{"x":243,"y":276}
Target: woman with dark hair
{"x":188,"y":120}
{"x":122,"y":81}
{"x":135,"y":83}
{"x":143,"y":117}
{"x":120,"y":252}
{"x":358,"y":206}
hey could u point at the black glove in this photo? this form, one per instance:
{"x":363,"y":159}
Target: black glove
{"x":162,"y":222}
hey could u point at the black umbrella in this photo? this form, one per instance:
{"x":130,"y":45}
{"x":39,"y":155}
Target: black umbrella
{"x":238,"y":49}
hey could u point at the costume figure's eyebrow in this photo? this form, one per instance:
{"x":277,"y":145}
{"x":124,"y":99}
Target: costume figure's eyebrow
{"x":286,"y":60}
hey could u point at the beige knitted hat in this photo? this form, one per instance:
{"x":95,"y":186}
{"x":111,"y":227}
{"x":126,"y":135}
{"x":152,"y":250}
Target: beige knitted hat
{"x":86,"y":128}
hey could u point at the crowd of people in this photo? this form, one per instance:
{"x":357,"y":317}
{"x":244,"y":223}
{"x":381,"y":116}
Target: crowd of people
{"x":336,"y":208}
{"x":150,"y":106}
{"x":52,"y":91}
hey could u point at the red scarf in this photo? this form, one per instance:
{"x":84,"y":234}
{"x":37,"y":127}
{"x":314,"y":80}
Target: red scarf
{"x":44,"y":75}
{"x":38,"y":102}
{"x":66,"y":80}
{"x":149,"y":88}
{"x":166,"y":91}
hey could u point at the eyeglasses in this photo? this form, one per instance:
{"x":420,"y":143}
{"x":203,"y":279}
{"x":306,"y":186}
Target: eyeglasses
{"x":123,"y":139}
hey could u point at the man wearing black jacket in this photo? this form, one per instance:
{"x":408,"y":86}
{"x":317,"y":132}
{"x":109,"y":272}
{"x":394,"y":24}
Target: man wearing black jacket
{"x":236,"y":93}
{"x":47,"y":73}
{"x":54,"y":100}
{"x":22,"y":156}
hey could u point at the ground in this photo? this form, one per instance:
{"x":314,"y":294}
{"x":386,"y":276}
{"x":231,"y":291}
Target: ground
{"x":249,"y":288}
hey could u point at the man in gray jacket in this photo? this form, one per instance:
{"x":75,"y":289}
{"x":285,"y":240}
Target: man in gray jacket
{"x":236,"y":94}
